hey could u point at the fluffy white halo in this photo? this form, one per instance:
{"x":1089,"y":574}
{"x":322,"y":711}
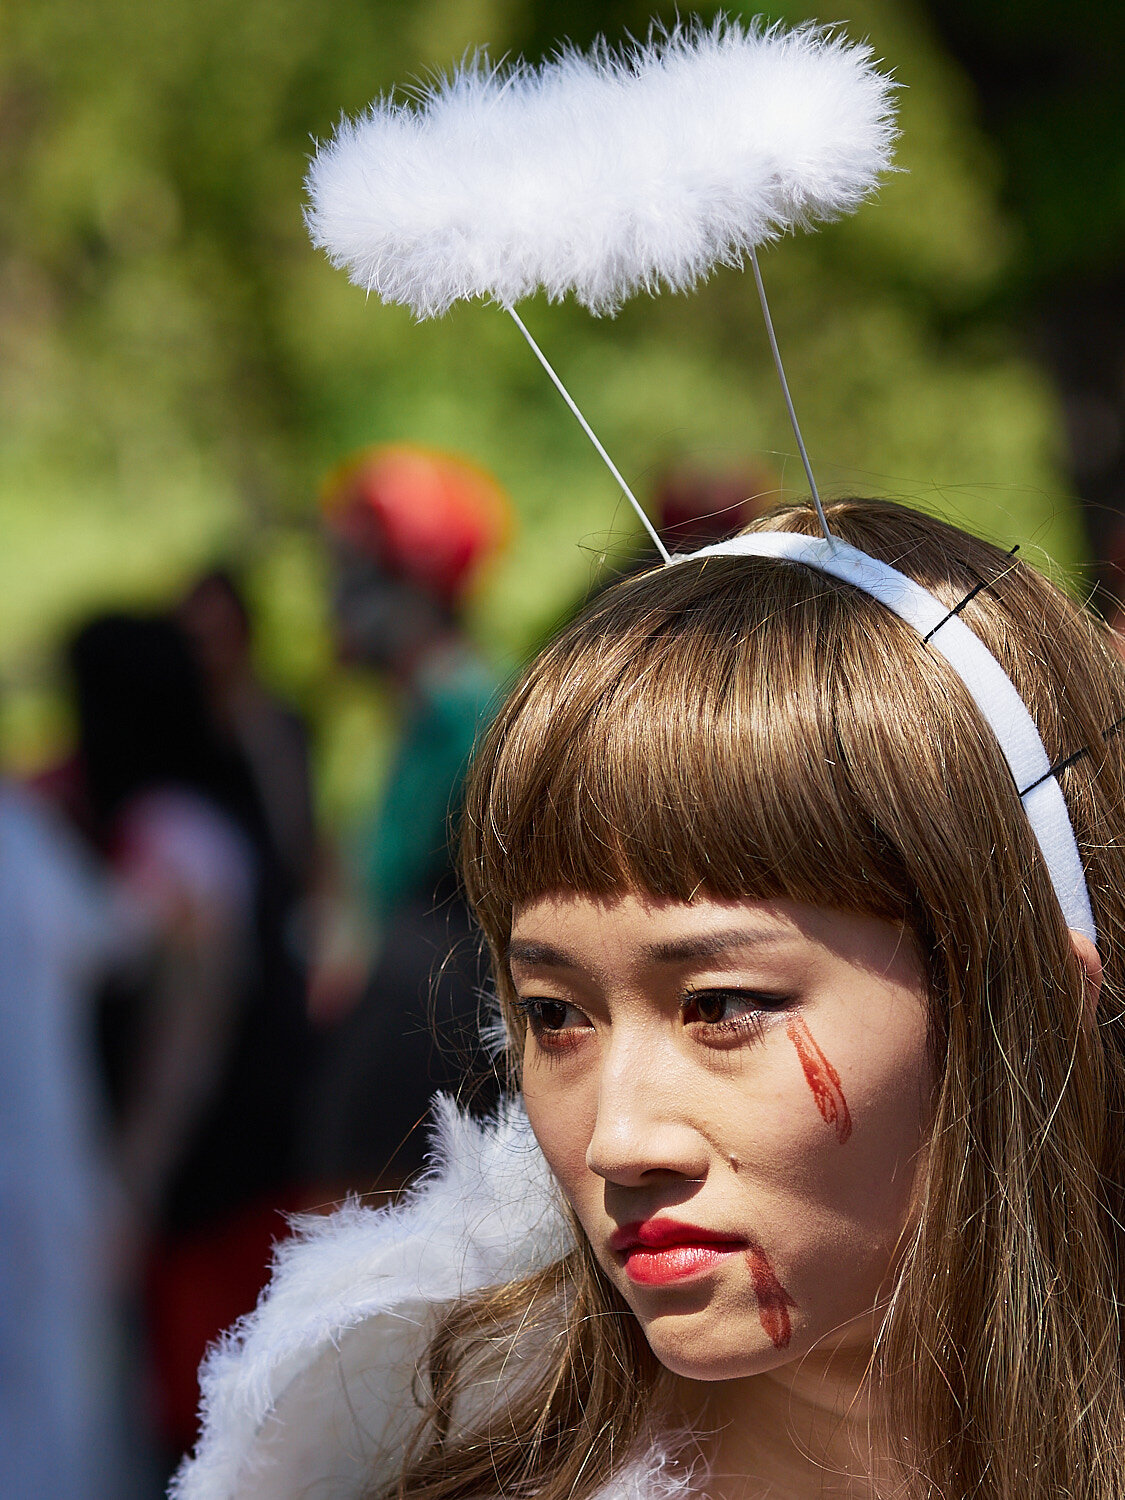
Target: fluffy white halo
{"x":605,"y":174}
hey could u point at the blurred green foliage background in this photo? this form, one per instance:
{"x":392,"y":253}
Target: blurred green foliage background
{"x":178,"y":368}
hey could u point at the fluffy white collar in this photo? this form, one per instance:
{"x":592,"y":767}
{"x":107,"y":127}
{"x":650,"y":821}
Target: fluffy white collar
{"x":311,"y":1394}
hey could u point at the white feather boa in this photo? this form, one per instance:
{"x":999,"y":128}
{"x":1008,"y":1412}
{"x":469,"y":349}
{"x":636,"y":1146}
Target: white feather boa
{"x":310,"y":1397}
{"x":605,"y":174}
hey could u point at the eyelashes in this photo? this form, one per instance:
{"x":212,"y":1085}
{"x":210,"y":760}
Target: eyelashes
{"x":550,"y":1015}
{"x":712,"y":1015}
{"x":734,"y":1014}
{"x":546,"y":1020}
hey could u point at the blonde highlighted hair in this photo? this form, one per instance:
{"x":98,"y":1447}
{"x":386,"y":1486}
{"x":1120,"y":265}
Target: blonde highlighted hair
{"x":747,"y":728}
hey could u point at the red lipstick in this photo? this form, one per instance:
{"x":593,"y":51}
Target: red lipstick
{"x":658,"y":1251}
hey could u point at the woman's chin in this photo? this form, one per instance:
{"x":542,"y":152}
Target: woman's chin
{"x":714,"y":1360}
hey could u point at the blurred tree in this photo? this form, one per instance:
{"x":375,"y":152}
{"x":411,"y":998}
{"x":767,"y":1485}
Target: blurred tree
{"x":1051,"y":85}
{"x":178,"y":368}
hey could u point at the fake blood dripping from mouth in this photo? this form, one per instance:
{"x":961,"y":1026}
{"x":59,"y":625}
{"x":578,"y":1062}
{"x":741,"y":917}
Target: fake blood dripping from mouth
{"x":774,"y":1301}
{"x":822,"y":1078}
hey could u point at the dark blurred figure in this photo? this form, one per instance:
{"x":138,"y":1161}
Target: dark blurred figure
{"x":696,"y":507}
{"x":409,"y":531}
{"x":691,"y":507}
{"x":1111,"y":594}
{"x":272,"y":738}
{"x":205,"y":1051}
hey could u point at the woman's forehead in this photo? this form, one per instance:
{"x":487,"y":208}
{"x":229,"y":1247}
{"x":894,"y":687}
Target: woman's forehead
{"x":567,"y":929}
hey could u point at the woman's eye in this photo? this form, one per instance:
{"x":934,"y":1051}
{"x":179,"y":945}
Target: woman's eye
{"x":551,"y":1020}
{"x":730,"y":1010}
{"x":551,"y":1014}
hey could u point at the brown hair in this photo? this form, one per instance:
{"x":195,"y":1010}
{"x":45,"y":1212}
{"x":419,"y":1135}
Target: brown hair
{"x":753,"y":729}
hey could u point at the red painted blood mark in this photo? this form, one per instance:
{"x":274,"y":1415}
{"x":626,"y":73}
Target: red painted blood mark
{"x":822,"y":1078}
{"x":774,"y":1301}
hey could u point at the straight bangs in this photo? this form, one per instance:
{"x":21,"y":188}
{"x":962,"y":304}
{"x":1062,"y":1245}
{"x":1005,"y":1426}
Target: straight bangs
{"x":730,"y":727}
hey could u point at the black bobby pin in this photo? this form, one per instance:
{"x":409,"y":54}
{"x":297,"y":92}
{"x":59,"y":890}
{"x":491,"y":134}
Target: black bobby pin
{"x":1061,"y":765}
{"x":957,"y":608}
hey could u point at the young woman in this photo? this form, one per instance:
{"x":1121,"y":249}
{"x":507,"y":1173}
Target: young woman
{"x":827,"y":1085}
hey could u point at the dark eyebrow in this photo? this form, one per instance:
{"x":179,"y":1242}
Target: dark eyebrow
{"x":709,"y":945}
{"x":675,"y":951}
{"x":540,"y":955}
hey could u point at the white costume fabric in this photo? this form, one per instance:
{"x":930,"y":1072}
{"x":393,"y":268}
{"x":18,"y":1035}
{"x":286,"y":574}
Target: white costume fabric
{"x":312,"y":1395}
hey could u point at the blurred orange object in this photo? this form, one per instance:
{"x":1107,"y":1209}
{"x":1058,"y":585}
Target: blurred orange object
{"x":430,"y":517}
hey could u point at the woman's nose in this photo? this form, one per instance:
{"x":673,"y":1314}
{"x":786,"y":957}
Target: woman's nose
{"x":642,"y":1124}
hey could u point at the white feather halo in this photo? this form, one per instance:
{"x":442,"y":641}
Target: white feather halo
{"x":602,"y":174}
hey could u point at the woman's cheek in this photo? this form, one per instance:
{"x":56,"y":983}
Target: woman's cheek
{"x":562,"y":1119}
{"x":843,"y":1205}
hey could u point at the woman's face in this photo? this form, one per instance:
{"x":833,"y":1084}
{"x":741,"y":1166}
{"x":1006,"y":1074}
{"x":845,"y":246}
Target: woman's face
{"x":733,"y":1097}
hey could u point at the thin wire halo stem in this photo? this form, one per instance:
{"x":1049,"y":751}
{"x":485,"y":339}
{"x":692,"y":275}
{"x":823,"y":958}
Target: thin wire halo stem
{"x":780,"y":368}
{"x":592,"y":435}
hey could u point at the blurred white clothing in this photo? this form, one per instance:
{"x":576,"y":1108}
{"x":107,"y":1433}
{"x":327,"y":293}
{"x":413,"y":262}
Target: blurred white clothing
{"x":58,"y":926}
{"x":173,"y":843}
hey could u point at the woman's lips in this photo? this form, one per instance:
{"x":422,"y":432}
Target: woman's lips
{"x":657,"y":1251}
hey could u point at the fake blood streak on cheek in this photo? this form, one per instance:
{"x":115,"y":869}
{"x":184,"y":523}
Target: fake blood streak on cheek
{"x":774,"y":1301}
{"x":822,"y":1078}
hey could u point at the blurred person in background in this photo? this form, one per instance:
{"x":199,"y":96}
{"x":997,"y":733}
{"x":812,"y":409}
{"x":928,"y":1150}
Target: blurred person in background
{"x":271,"y":736}
{"x":204,"y":1052}
{"x":59,"y":1204}
{"x":410,"y":531}
{"x":692,"y":506}
{"x":1111,"y":583}
{"x":695,"y":506}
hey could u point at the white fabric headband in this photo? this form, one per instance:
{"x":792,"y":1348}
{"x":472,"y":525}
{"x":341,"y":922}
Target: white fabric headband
{"x":989,"y":686}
